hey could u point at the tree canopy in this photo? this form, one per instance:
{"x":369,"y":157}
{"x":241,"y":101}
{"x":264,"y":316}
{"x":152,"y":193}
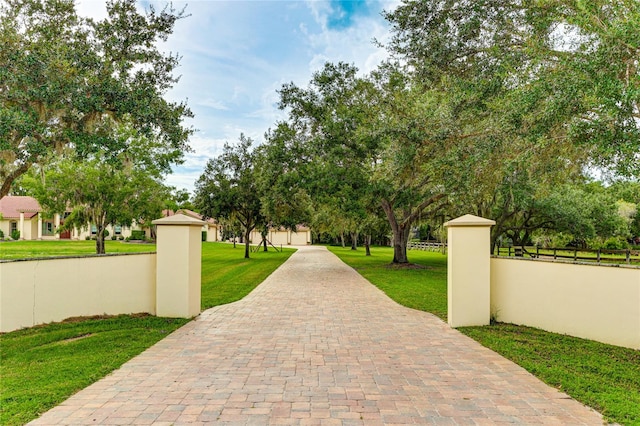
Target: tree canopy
{"x":228,"y":188}
{"x":64,"y":79}
{"x":569,"y":68}
{"x":115,"y":187}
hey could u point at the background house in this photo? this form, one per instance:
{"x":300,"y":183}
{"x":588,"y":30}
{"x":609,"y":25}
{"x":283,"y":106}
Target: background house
{"x":211,"y":226}
{"x":21,"y":214}
{"x":25,"y":215}
{"x":283,"y":237}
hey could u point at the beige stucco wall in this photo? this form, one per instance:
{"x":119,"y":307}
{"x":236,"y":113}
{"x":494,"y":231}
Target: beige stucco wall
{"x":300,"y":238}
{"x":41,"y":291}
{"x":179,"y":249}
{"x":213,"y":233}
{"x":600,"y":303}
{"x":4,"y":227}
{"x":468,"y":272}
{"x":30,"y":228}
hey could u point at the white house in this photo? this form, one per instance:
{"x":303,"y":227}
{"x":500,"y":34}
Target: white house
{"x":24,"y":214}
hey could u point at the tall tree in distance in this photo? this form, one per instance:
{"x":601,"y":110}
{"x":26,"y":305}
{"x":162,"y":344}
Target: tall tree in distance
{"x":63,"y":79}
{"x":228,"y":188}
{"x":116,"y":187}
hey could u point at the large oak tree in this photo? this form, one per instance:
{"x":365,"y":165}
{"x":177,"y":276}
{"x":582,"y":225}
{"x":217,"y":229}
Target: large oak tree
{"x":64,"y":79}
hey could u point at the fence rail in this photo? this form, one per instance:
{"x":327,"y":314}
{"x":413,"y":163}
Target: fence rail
{"x":427,"y":246}
{"x":589,"y":255}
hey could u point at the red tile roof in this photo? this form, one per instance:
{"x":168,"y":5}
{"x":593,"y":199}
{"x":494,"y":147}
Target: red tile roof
{"x":196,"y":215}
{"x":12,"y":205}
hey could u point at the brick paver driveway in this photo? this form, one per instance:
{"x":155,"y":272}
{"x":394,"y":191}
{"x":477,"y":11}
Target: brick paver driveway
{"x":317,"y":344}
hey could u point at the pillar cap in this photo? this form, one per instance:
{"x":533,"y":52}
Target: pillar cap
{"x":470,"y":220}
{"x":178,"y":219}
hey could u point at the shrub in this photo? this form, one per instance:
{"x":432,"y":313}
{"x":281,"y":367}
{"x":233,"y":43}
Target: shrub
{"x":121,"y":238}
{"x":113,"y":238}
{"x":1,"y":234}
{"x":204,"y":235}
{"x":106,"y":233}
{"x":138,"y":235}
{"x":15,"y":234}
{"x":615,"y":243}
{"x":87,"y":238}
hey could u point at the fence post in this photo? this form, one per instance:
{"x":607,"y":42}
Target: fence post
{"x":468,"y":271}
{"x":178,"y":267}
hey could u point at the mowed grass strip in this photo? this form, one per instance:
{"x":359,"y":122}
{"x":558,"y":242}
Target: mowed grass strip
{"x":42,"y":366}
{"x":228,"y":277}
{"x":604,"y":377}
{"x":35,"y":249}
{"x":422,"y":287}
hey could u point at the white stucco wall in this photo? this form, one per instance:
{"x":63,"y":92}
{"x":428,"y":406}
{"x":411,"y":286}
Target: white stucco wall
{"x":42,"y":291}
{"x":596,"y":302}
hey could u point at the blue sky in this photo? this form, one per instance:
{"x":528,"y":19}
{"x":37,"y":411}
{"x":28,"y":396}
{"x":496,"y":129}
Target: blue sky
{"x":236,"y":54}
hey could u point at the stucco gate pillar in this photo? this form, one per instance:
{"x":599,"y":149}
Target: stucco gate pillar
{"x":468,"y":271}
{"x":178,"y":267}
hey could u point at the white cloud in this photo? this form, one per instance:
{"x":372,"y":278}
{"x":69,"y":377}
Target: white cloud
{"x":352,"y":45}
{"x":236,"y":54}
{"x":213,"y":103}
{"x":95,"y":9}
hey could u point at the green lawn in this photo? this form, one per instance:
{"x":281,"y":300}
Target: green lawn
{"x":30,"y":249}
{"x":42,"y":366}
{"x":604,"y":377}
{"x":423,"y":288}
{"x":227,"y":276}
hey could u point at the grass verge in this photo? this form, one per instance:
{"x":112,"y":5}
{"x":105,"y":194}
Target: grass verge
{"x":228,"y":277}
{"x":42,"y":366}
{"x":30,"y":249}
{"x":604,"y":377}
{"x":423,"y":287}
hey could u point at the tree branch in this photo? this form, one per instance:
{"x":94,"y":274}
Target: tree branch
{"x":8,"y":181}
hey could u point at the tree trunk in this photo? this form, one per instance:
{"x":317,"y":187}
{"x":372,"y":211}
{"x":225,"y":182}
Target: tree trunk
{"x":400,"y":234}
{"x":264,"y":240}
{"x":354,"y":241}
{"x":100,"y":240}
{"x":400,"y":240}
{"x":247,"y":234}
{"x":493,"y":239}
{"x":11,"y":177}
{"x":342,"y":239}
{"x":367,"y":245}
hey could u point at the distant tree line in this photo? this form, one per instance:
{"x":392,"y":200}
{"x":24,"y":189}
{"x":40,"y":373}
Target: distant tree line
{"x":499,"y":109}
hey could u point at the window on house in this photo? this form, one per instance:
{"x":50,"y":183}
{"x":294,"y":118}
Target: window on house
{"x":117,"y":229}
{"x":94,"y":230}
{"x":47,"y":228}
{"x":13,"y":226}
